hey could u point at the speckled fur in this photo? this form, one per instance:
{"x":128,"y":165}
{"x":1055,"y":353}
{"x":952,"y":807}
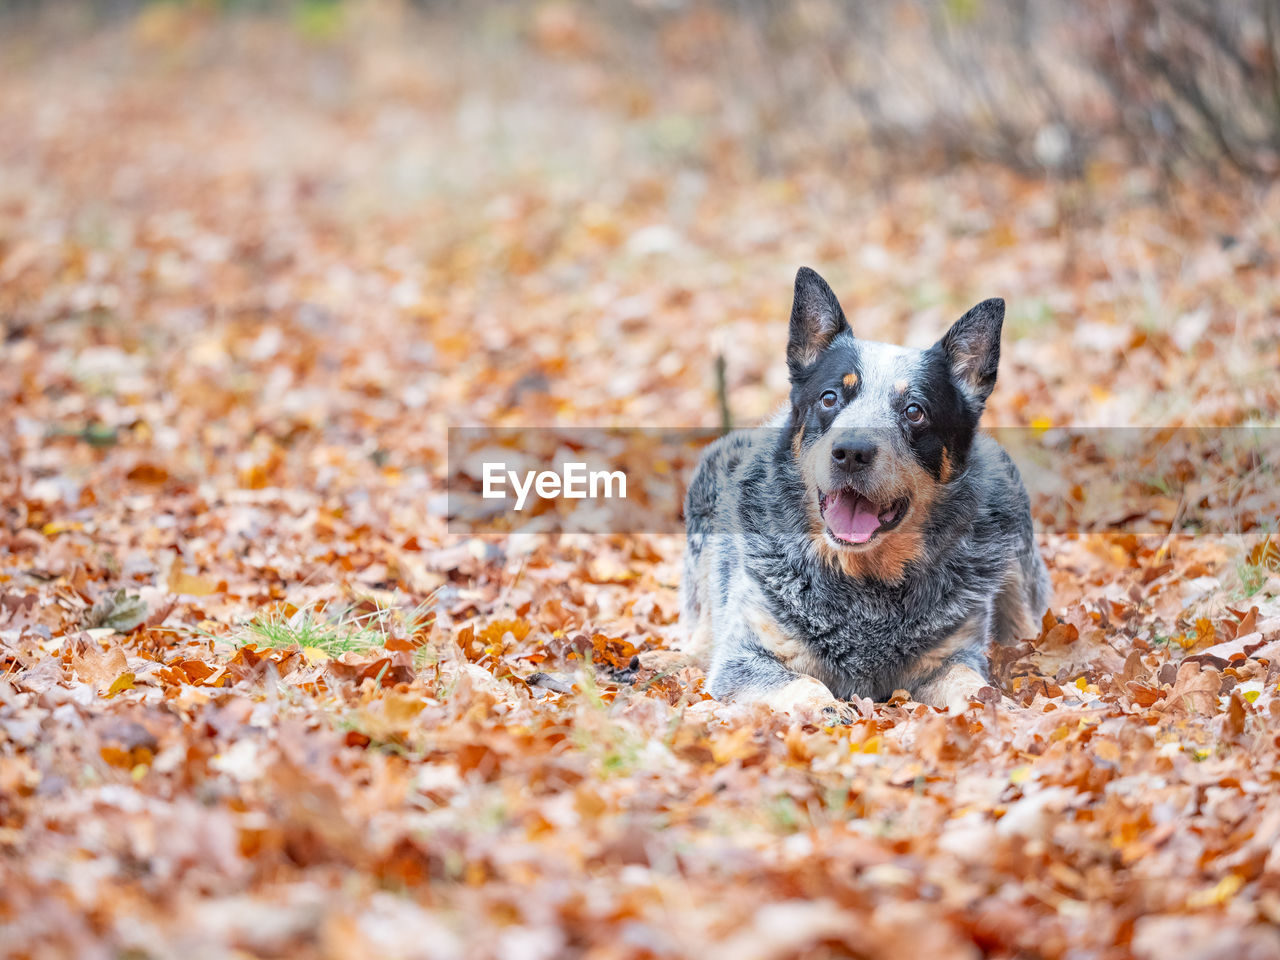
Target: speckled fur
{"x":763,"y":588}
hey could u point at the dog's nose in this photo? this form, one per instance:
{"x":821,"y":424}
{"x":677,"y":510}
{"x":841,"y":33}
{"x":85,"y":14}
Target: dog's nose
{"x":854,"y":454}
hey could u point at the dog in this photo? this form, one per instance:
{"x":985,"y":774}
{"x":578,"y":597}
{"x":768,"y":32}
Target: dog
{"x":870,"y":539}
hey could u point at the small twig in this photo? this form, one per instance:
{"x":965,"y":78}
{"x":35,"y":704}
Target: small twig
{"x":722,"y":394}
{"x":1273,"y":69}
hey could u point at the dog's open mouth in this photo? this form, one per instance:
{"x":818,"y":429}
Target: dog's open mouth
{"x":852,"y":518}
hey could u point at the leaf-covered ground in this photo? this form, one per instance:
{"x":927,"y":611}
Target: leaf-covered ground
{"x":254,"y":700}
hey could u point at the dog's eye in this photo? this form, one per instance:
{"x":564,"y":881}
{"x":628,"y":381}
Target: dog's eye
{"x":829,"y":399}
{"x":914,"y":412}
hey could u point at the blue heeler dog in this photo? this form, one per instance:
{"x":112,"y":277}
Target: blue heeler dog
{"x":870,"y":538}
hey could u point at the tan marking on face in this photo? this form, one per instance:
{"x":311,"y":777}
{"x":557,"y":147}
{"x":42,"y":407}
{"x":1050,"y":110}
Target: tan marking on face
{"x":900,"y":386}
{"x":797,"y":442}
{"x":850,"y":380}
{"x":809,"y":471}
{"x":896,"y":474}
{"x":945,"y":476}
{"x":886,"y":562}
{"x":888,"y":557}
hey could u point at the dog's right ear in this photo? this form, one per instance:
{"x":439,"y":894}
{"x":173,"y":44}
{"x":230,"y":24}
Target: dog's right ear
{"x":816,"y":320}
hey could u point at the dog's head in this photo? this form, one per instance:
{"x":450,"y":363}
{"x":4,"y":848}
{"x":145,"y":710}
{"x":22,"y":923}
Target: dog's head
{"x":879,"y":431}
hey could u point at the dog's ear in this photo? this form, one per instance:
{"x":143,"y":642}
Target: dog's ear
{"x":816,"y":319}
{"x":972,"y":347}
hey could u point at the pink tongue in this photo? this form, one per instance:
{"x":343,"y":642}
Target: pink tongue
{"x":851,"y":517}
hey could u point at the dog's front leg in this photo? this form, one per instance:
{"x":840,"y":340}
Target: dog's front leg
{"x":954,"y":671}
{"x":743,"y":669}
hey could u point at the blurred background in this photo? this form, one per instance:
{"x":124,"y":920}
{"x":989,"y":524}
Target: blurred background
{"x":256,"y":258}
{"x":1030,"y":84}
{"x":548,"y":211}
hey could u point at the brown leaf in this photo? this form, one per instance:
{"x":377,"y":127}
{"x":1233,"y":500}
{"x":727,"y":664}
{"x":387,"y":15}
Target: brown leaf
{"x":1142,"y":695}
{"x":1236,"y":714}
{"x":179,"y":581}
{"x":1195,"y":690}
{"x":1233,"y":651}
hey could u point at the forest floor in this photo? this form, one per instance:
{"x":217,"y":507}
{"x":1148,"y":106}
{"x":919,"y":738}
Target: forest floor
{"x":255,"y":700}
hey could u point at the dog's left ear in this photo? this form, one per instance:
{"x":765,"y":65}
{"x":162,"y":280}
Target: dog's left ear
{"x":972,"y":346}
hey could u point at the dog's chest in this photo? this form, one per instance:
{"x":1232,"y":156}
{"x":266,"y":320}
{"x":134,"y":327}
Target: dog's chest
{"x":849,"y":622}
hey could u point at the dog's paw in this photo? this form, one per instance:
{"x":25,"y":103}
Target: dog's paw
{"x":839,"y":714}
{"x":961,"y":696}
{"x":954,"y":689}
{"x":822,"y":712}
{"x":985,"y":695}
{"x":808,"y":700}
{"x":664,"y":661}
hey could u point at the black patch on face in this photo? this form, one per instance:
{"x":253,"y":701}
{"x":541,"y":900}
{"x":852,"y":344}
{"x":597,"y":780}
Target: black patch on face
{"x":950,"y":422}
{"x":826,"y":373}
